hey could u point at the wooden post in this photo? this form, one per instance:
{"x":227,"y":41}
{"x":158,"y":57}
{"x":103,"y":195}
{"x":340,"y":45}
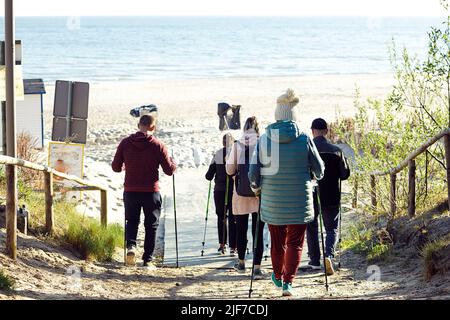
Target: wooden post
{"x":104,"y":208}
{"x":48,"y":185}
{"x":11,"y":212}
{"x":373,"y":191}
{"x":393,"y":200}
{"x":355,"y":193}
{"x":447,"y":160}
{"x":11,"y":141}
{"x":412,"y":188}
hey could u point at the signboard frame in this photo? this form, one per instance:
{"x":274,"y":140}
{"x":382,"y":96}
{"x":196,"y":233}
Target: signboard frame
{"x":78,"y":148}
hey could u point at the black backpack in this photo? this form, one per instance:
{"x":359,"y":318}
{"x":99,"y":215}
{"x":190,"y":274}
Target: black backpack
{"x":241,"y":180}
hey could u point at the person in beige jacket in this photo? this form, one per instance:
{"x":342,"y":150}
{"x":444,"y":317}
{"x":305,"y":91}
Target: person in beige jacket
{"x":248,"y":204}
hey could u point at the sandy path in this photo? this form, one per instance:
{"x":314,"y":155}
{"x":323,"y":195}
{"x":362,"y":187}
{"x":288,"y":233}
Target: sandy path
{"x":41,"y":272}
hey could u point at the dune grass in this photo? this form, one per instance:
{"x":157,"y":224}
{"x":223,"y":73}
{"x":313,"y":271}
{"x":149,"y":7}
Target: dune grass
{"x":433,"y":254}
{"x":90,"y":239}
{"x":356,"y":238}
{"x":6,"y":283}
{"x":362,"y":239}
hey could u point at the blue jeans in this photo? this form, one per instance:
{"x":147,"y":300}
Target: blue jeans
{"x":331,"y":223}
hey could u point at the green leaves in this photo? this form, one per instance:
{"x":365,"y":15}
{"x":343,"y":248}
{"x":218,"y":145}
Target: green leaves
{"x":385,"y":132}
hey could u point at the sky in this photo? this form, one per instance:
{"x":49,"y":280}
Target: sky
{"x":227,"y":8}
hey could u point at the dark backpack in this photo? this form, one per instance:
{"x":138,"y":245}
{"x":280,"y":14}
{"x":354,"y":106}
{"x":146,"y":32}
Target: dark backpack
{"x":241,"y":180}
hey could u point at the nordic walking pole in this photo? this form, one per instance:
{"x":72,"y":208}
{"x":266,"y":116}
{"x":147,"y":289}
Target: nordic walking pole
{"x":267,"y":248}
{"x":255,"y":245}
{"x":225,"y":215}
{"x":340,"y":223}
{"x":175,"y":216}
{"x":321,"y":233}
{"x":206,"y":219}
{"x":125,"y":241}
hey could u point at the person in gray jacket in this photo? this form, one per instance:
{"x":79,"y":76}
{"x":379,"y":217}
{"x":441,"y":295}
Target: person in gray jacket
{"x":283,"y":167}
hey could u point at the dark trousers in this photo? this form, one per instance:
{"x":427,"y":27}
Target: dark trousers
{"x":219,"y":200}
{"x":241,"y":233}
{"x":286,"y":250}
{"x":331,"y":223}
{"x":150,"y":202}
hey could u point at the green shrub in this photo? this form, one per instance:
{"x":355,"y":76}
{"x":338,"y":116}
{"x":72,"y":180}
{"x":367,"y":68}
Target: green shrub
{"x":384,"y":132}
{"x":378,"y":252}
{"x":357,"y":238}
{"x":90,"y":239}
{"x":6,"y":283}
{"x":363,"y":240}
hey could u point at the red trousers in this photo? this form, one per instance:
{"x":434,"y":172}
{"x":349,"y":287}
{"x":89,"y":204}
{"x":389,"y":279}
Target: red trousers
{"x":286,"y":251}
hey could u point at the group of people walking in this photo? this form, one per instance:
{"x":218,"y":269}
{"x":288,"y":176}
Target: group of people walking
{"x":281,"y":178}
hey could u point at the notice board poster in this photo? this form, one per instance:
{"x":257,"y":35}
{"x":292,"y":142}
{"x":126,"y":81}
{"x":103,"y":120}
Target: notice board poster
{"x":67,"y":158}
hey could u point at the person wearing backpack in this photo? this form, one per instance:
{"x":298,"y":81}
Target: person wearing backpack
{"x":224,"y":211}
{"x":284,"y":165}
{"x":245,"y":201}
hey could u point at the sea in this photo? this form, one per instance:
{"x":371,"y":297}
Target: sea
{"x":99,"y":49}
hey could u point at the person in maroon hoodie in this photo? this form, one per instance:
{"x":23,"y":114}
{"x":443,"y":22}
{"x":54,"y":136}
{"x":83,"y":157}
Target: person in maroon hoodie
{"x":140,"y":155}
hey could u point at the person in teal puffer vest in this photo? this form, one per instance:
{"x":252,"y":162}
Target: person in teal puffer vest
{"x":283,"y":169}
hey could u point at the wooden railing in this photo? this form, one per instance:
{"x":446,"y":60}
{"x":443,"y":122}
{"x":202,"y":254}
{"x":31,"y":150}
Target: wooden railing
{"x":409,"y":162}
{"x":49,"y":190}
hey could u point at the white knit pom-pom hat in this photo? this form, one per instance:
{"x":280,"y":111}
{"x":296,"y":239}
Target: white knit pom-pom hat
{"x":285,"y":106}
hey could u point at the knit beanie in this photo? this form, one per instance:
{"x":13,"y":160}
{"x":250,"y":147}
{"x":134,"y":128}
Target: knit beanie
{"x":285,"y":106}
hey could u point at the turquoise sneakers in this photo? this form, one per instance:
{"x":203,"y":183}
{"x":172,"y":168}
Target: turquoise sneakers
{"x":276,"y":282}
{"x":287,"y":289}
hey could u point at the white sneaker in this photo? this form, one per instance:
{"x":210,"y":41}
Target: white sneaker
{"x":149,"y":265}
{"x":131,"y":257}
{"x":310,"y":267}
{"x":329,"y":266}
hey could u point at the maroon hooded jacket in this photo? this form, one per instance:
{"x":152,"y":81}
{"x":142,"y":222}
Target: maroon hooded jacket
{"x":142,"y":155}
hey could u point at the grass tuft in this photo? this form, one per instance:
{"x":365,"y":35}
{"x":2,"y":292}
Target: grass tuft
{"x":6,"y":283}
{"x":91,"y":240}
{"x":435,"y":257}
{"x":363,"y":240}
{"x":378,"y":252}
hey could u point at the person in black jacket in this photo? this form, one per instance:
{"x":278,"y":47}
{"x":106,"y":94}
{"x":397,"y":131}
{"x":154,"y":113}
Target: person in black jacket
{"x":336,"y":170}
{"x":217,"y":172}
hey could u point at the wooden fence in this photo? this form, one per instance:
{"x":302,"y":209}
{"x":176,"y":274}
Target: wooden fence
{"x":410,"y":163}
{"x":49,"y":192}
